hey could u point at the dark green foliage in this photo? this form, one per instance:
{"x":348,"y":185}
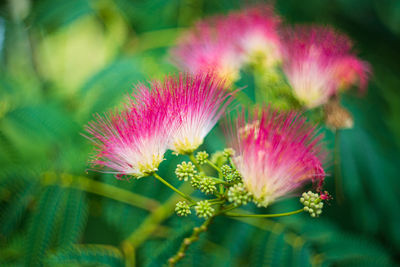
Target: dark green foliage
{"x":12,"y":212}
{"x":87,"y":255}
{"x":55,"y":14}
{"x":168,"y":247}
{"x":72,"y":218}
{"x":41,"y":228}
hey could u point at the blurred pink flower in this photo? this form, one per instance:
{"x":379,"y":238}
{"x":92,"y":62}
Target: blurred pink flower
{"x":198,"y":101}
{"x":318,"y":62}
{"x":224,"y":43}
{"x":257,"y":34}
{"x":209,"y":46}
{"x":276,"y":153}
{"x":132,"y":141}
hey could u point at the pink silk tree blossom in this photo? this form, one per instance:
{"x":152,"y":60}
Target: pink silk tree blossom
{"x":257,"y":34}
{"x":209,"y":46}
{"x":223,"y":44}
{"x":132,"y":141}
{"x":318,"y":62}
{"x":276,"y":153}
{"x":198,"y":102}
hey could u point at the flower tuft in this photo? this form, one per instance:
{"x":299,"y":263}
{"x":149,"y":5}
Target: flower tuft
{"x":312,"y":203}
{"x":207,"y":185}
{"x":203,"y":209}
{"x":197,"y":103}
{"x":238,"y":195}
{"x":202,"y":157}
{"x":185,"y":171}
{"x":182,"y":208}
{"x":318,"y":62}
{"x":277,"y":154}
{"x":132,"y":141}
{"x":224,"y":44}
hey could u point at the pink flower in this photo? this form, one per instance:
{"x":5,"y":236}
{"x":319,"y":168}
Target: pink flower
{"x":132,"y":141}
{"x":257,"y":34}
{"x":318,"y":63}
{"x":198,"y":101}
{"x":209,"y":46}
{"x":224,"y":43}
{"x":177,"y":114}
{"x":276,"y":153}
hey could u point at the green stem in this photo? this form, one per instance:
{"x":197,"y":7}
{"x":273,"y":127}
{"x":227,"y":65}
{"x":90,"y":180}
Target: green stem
{"x":221,"y":188}
{"x":232,"y":163}
{"x":338,"y":169}
{"x":194,"y":160}
{"x":147,"y":227}
{"x":231,"y":214}
{"x":101,"y":189}
{"x":173,"y":188}
{"x":227,"y":208}
{"x":217,"y":180}
{"x":214,"y":166}
{"x":188,"y":241}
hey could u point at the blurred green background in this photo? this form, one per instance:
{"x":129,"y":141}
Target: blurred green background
{"x":61,"y":61}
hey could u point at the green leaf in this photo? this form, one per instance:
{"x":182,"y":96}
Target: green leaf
{"x":92,"y":255}
{"x":73,"y":217}
{"x":41,"y":229}
{"x":270,"y":249}
{"x":11,"y":215}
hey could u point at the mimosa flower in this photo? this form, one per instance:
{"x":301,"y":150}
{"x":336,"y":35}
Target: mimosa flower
{"x":132,"y":141}
{"x":276,"y":153}
{"x":257,"y":34}
{"x":224,"y":43}
{"x":209,"y":46}
{"x":319,"y":63}
{"x":197,"y":102}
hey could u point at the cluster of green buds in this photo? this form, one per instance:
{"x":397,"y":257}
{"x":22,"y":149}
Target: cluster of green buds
{"x":227,"y":187}
{"x":312,"y":203}
{"x":185,"y":171}
{"x":238,"y":195}
{"x":230,"y":175}
{"x":182,"y":208}
{"x":202,"y":157}
{"x":204,"y":209}
{"x":207,"y":185}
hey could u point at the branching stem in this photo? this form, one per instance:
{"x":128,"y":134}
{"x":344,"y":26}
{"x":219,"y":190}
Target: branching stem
{"x":231,"y":214}
{"x":188,"y":241}
{"x":158,"y":177}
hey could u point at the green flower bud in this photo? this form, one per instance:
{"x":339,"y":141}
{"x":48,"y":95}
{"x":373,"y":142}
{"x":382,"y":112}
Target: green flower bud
{"x":185,"y":171}
{"x":182,"y":208}
{"x":204,"y":209}
{"x":202,"y":157}
{"x":226,"y":169}
{"x":207,"y":185}
{"x":312,"y":203}
{"x":230,"y":175}
{"x":228,"y":152}
{"x":238,"y":195}
{"x":195,"y":181}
